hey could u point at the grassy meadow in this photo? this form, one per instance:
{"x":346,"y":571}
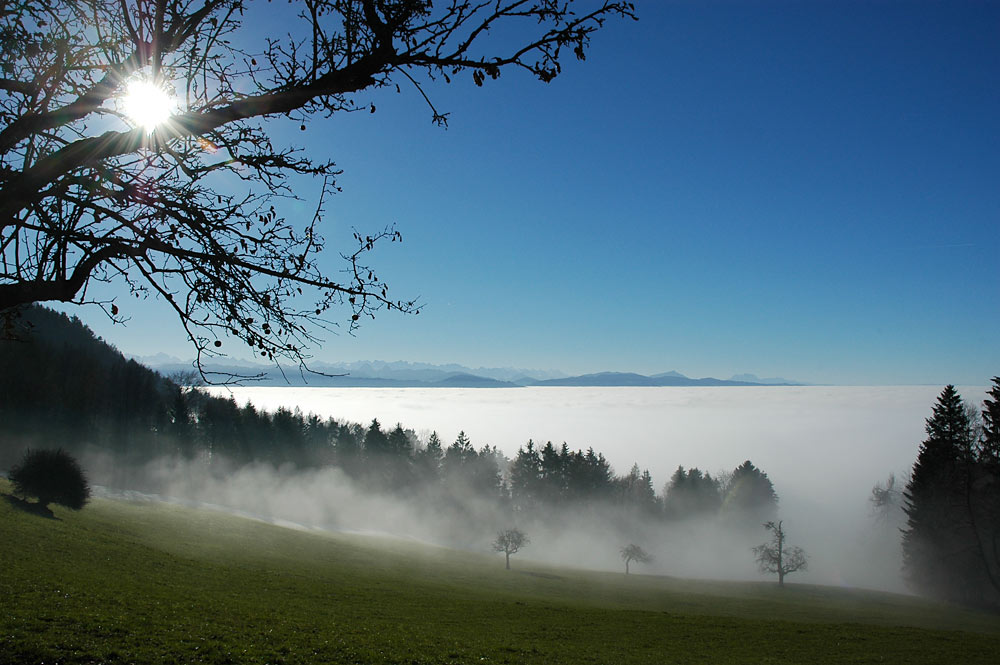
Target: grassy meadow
{"x":124,"y":582}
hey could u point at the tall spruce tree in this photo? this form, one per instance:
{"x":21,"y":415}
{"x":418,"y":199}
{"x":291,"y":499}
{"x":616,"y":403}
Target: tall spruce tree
{"x":428,"y":461}
{"x":939,"y":555}
{"x":989,"y":447}
{"x":526,"y":478}
{"x":985,"y":499}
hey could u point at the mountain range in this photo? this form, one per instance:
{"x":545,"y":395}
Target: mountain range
{"x":400,"y":374}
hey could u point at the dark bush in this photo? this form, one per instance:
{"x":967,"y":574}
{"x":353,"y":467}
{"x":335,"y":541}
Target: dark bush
{"x":54,"y":476}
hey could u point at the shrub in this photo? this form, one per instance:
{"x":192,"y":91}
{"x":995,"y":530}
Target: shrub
{"x":54,"y":476}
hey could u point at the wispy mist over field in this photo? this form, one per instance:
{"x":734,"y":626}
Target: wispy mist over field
{"x":823,"y":447}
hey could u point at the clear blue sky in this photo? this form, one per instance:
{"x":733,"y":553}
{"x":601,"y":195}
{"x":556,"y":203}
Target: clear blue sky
{"x":804,"y":189}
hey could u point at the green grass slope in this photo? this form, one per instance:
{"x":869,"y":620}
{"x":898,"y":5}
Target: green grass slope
{"x":149,"y":583}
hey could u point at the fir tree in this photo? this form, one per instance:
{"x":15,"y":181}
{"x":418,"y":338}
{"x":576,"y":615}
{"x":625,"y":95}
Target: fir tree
{"x":428,"y":461}
{"x":936,"y":541}
{"x":526,"y":478}
{"x":750,"y":495}
{"x":989,"y":448}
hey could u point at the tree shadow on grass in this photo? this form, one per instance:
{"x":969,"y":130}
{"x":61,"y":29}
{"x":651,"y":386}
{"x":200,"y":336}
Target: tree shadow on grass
{"x":30,"y":507}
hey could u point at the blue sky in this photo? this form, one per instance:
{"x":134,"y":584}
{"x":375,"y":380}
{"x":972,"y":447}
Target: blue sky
{"x":800,"y":189}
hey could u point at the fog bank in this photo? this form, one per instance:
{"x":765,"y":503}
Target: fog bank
{"x":823,"y":447}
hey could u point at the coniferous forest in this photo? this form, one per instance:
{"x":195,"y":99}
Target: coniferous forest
{"x":951,"y":537}
{"x":60,"y":386}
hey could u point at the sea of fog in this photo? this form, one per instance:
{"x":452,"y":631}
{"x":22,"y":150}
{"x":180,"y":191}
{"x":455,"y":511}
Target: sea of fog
{"x":823,"y":447}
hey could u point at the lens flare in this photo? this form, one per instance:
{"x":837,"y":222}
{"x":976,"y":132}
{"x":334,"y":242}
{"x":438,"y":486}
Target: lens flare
{"x":147,"y":105}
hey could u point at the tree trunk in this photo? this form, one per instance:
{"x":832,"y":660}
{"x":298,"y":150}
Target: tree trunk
{"x":508,"y":559}
{"x":626,"y":566}
{"x":781,"y":555}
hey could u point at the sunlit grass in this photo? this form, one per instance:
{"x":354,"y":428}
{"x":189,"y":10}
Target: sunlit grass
{"x":121,"y":582}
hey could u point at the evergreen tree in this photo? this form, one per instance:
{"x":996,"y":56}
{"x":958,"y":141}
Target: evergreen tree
{"x":939,"y":556}
{"x":486,"y":479}
{"x":180,"y":428}
{"x":526,"y":478}
{"x":457,"y":462}
{"x":428,"y":462}
{"x":398,"y":442}
{"x":636,"y":490}
{"x":989,"y":448}
{"x":348,"y":444}
{"x":750,"y":496}
{"x":553,"y":474}
{"x":376,"y":442}
{"x":691,"y":494}
{"x":986,"y":487}
{"x":599,"y":476}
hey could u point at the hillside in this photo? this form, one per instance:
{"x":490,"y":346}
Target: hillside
{"x":125,"y":582}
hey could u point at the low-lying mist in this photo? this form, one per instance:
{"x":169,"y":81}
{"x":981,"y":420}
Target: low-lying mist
{"x":853,"y":550}
{"x":823,"y":447}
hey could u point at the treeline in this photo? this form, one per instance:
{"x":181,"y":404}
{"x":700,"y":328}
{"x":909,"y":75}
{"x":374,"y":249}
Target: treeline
{"x":62,"y":386}
{"x":951,"y":539}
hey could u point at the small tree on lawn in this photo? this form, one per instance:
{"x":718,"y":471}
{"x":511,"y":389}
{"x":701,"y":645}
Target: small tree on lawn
{"x":509,"y":541}
{"x":54,"y":476}
{"x":633,"y":552}
{"x":776,"y":557}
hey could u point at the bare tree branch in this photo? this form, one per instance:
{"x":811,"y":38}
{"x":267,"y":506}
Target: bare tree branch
{"x":190,"y":210}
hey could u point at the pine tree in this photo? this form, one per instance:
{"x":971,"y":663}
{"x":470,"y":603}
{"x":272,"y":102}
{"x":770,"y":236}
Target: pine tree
{"x":376,"y":442}
{"x":986,"y":487}
{"x":937,"y":543}
{"x":989,"y":448}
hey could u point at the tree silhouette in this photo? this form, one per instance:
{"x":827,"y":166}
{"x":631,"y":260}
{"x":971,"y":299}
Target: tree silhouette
{"x":53,"y":476}
{"x":935,"y":539}
{"x":509,"y":541}
{"x":691,"y":494}
{"x":985,"y":501}
{"x":633,"y":552}
{"x":776,"y":557}
{"x":989,"y":447}
{"x":189,"y":209}
{"x":750,"y":494}
{"x":885,"y":499}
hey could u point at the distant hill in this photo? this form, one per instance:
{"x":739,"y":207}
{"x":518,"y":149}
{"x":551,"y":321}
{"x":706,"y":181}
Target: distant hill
{"x":260,"y":375}
{"x":614,"y":379}
{"x":381,"y":374}
{"x":773,"y":381}
{"x":471,"y":381}
{"x":602,"y":379}
{"x":671,"y":373}
{"x":361,"y":374}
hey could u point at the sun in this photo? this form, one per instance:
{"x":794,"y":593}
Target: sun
{"x":147,"y":105}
